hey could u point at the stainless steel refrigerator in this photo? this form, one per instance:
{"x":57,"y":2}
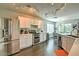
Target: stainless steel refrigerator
{"x":9,"y":36}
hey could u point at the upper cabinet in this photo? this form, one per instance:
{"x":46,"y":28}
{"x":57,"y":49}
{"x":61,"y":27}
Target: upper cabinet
{"x":26,"y":22}
{"x":40,"y":23}
{"x":37,"y":22}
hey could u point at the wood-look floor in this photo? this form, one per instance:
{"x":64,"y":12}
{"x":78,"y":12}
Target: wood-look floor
{"x":43,"y":49}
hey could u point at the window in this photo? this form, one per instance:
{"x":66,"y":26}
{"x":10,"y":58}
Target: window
{"x":68,"y":28}
{"x":64,"y":28}
{"x":50,"y":28}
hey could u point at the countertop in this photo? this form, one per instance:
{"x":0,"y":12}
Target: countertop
{"x":72,"y":36}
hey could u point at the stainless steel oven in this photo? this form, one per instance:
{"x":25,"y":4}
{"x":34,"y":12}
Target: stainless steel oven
{"x":36,"y":38}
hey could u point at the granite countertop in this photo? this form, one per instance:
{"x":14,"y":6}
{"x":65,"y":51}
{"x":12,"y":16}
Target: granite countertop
{"x":73,"y":36}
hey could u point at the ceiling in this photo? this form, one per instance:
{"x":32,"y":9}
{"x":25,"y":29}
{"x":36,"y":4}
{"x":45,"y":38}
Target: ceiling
{"x":46,"y":10}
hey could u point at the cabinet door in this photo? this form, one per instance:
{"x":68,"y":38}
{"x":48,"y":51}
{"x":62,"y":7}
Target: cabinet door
{"x":23,"y":41}
{"x":40,"y":23}
{"x":70,"y":42}
{"x":15,"y":46}
{"x":41,"y":37}
{"x":29,"y":40}
{"x":24,"y":22}
{"x":64,"y":43}
{"x":75,"y":48}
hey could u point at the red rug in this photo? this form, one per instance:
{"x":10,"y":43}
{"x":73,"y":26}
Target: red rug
{"x":61,"y":53}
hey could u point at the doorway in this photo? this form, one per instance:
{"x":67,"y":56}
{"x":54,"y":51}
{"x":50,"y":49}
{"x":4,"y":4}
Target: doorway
{"x":50,"y":30}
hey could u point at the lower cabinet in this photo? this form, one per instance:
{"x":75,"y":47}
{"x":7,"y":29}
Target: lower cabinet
{"x":70,"y":41}
{"x":8,"y":48}
{"x":25,"y":40}
{"x":64,"y":42}
{"x":15,"y":46}
{"x":75,"y":48}
{"x":42,"y":37}
{"x":67,"y":42}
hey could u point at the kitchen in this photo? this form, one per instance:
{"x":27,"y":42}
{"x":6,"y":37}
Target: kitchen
{"x":19,"y":32}
{"x":21,"y":28}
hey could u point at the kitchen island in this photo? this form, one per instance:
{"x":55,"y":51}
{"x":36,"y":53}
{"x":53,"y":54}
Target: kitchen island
{"x":68,"y":41}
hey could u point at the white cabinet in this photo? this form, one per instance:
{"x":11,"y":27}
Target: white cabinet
{"x":25,"y":40}
{"x":43,"y":32}
{"x":64,"y":42}
{"x":67,"y":42}
{"x":42,"y":37}
{"x":75,"y":48}
{"x":29,"y":41}
{"x":40,"y":23}
{"x":70,"y":41}
{"x":15,"y":46}
{"x":24,"y":22}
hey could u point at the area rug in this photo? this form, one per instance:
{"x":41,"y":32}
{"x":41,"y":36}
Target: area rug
{"x":61,"y":53}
